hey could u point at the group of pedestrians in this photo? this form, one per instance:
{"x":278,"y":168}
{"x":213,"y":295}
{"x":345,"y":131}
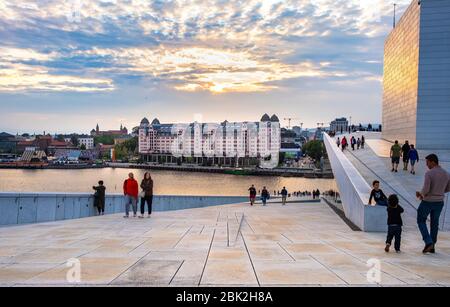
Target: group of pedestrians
{"x":131,"y":194}
{"x":436,"y":185}
{"x":265,"y":195}
{"x":407,"y":152}
{"x":355,"y":143}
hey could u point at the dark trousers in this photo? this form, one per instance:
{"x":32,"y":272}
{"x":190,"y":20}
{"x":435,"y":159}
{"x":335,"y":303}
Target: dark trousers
{"x":100,"y":204}
{"x":433,"y":209}
{"x":394,"y":231}
{"x":149,"y":200}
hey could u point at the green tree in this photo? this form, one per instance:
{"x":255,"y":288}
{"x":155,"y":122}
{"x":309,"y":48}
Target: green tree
{"x":74,"y":139}
{"x":83,"y":147}
{"x":104,"y":139}
{"x":60,"y":138}
{"x":314,"y":149}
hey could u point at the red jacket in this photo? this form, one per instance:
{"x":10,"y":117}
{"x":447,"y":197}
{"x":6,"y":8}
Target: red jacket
{"x":130,"y":187}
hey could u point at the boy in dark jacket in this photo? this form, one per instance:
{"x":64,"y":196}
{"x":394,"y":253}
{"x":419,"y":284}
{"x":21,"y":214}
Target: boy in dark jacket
{"x":377,"y":195}
{"x":395,"y":223}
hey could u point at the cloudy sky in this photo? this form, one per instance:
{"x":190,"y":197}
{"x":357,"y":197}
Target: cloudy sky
{"x":67,"y":65}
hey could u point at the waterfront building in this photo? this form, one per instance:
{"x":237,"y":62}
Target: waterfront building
{"x":339,"y":124}
{"x":416,"y":91}
{"x":226,"y":143}
{"x":8,"y":143}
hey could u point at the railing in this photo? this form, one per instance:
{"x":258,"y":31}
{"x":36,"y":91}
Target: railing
{"x":23,"y":208}
{"x":354,"y":191}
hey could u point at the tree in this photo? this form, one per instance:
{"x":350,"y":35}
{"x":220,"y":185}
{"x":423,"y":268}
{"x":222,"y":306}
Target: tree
{"x":104,"y":139}
{"x":83,"y":147}
{"x":74,"y":140}
{"x":60,"y":138}
{"x":314,"y":149}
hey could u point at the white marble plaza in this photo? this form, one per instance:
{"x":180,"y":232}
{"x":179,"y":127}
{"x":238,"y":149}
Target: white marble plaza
{"x":294,"y":245}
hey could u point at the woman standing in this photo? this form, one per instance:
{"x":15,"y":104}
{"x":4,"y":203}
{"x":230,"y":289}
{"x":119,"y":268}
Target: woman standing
{"x":147,"y":194}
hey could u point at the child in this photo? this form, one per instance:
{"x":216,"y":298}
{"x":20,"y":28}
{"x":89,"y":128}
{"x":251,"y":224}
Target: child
{"x":378,"y":195}
{"x":413,"y":157}
{"x":395,"y":223}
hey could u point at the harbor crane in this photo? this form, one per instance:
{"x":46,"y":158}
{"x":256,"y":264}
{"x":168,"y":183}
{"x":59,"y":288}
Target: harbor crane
{"x":289,"y":121}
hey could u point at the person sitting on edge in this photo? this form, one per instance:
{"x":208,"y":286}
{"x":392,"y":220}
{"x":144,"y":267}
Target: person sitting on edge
{"x":395,"y":223}
{"x":131,"y":191}
{"x":284,"y":194}
{"x":378,"y":195}
{"x":252,"y":191}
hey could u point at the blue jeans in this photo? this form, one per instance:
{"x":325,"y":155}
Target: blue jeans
{"x":433,"y":209}
{"x":130,"y":200}
{"x":382,"y":203}
{"x":264,"y":200}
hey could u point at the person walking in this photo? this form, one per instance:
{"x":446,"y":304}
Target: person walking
{"x":344,"y":143}
{"x":284,"y":194}
{"x":436,"y":184}
{"x":131,"y":191}
{"x":405,"y":154}
{"x":252,"y":191}
{"x":394,"y":222}
{"x":363,"y":141}
{"x":99,"y":197}
{"x":264,"y":196}
{"x":353,"y":142}
{"x":413,"y":157}
{"x":395,"y":154}
{"x":147,"y":194}
{"x":358,"y":143}
{"x":338,"y":142}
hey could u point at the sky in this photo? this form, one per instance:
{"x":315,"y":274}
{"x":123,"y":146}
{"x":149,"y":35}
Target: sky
{"x":66,"y":65}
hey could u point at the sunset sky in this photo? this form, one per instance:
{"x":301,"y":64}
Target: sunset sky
{"x":67,"y":65}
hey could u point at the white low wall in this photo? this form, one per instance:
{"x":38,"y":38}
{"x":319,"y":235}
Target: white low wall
{"x":23,"y":208}
{"x":354,"y":191}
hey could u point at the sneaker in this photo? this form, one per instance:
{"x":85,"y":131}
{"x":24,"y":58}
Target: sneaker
{"x":125,"y":216}
{"x":398,"y":251}
{"x":428,"y":248}
{"x":141,"y":216}
{"x":413,"y":173}
{"x":386,"y":249}
{"x":396,"y":171}
{"x":392,"y":170}
{"x":149,"y":216}
{"x":134,"y":215}
{"x":432,"y":251}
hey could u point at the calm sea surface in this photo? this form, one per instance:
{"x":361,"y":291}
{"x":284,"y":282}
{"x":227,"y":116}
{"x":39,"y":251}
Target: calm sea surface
{"x":165,"y":182}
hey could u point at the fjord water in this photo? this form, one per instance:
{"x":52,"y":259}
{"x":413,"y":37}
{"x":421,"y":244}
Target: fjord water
{"x":165,"y":182}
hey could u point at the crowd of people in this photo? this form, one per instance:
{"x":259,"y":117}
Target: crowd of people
{"x":354,"y":142}
{"x":436,"y":185}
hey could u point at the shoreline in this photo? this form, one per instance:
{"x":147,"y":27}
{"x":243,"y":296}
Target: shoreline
{"x":283,"y":172}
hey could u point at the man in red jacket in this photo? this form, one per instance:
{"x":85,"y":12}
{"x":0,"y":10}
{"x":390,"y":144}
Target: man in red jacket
{"x":131,"y":191}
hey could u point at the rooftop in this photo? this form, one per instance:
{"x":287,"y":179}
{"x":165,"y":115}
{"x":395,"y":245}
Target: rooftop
{"x":223,"y":245}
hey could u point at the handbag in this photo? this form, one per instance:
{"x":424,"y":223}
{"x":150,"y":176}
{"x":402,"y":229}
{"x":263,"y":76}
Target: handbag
{"x":142,"y":194}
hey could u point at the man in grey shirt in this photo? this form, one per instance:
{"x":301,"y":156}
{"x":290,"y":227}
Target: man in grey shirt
{"x":436,"y":184}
